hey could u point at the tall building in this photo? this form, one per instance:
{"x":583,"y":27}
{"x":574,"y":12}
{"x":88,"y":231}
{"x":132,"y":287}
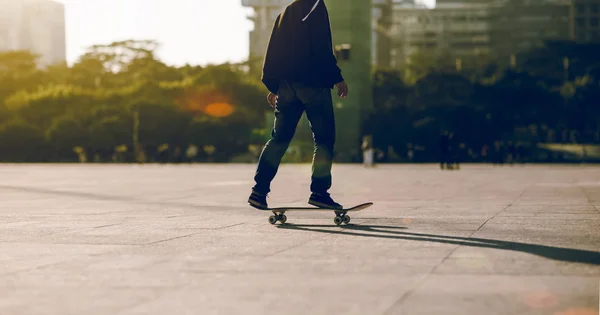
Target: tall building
{"x":522,"y":25}
{"x":34,"y":25}
{"x":264,"y":15}
{"x":585,"y":25}
{"x":456,"y":30}
{"x":352,"y":27}
{"x":478,"y":28}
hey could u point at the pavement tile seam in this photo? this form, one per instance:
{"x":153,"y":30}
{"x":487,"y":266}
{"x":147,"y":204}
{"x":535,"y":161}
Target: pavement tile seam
{"x":201,"y":230}
{"x":170,"y":239}
{"x":340,"y":229}
{"x":286,"y":249}
{"x":107,"y":225}
{"x":406,"y":295}
{"x":471,"y":235}
{"x":117,"y":199}
{"x":118,"y":247}
{"x":523,"y":192}
{"x":414,"y":288}
{"x":589,"y":200}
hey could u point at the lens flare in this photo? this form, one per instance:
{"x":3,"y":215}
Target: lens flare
{"x":218,"y":109}
{"x":210,"y":102}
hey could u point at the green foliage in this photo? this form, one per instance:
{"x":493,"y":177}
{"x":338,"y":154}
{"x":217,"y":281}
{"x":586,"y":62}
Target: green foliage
{"x":18,"y":71}
{"x":110,"y":132}
{"x":120,"y":92}
{"x":162,"y":124}
{"x":66,"y":132}
{"x":543,"y":98}
{"x":21,"y":142}
{"x":120,"y":97}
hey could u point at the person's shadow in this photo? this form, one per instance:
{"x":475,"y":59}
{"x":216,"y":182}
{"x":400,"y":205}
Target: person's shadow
{"x":394,"y":232}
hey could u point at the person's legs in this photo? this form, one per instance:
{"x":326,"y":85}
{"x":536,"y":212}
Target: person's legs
{"x":319,"y":110}
{"x":288,"y":111}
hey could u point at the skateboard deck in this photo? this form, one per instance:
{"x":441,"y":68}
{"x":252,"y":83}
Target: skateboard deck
{"x":341,"y":215}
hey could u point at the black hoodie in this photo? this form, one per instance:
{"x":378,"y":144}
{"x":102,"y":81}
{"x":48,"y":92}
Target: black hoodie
{"x":301,"y":48}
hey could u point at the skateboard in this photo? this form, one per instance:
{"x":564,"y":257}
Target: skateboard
{"x":341,"y":215}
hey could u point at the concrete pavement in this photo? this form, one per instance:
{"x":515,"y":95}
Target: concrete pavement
{"x":180,"y":239}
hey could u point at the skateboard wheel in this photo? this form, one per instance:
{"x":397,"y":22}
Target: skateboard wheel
{"x":283,"y":218}
{"x":338,"y":220}
{"x":346,"y":219}
{"x":272,"y":219}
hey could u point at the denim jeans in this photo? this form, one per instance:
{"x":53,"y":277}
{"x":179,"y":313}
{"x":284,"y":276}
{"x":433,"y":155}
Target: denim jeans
{"x":292,"y":100}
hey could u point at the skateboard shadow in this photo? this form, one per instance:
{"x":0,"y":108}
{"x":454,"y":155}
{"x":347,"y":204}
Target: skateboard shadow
{"x":347,"y":226}
{"x":393,"y":232}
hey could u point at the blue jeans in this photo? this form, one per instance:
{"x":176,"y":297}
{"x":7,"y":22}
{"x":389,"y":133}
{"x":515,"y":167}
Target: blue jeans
{"x":292,"y":100}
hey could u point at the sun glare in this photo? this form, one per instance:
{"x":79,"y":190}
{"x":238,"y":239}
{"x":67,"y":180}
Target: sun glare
{"x":209,"y":102}
{"x":218,"y":109}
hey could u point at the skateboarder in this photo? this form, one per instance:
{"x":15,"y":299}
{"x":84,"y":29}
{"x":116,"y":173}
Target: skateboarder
{"x":299,"y":70}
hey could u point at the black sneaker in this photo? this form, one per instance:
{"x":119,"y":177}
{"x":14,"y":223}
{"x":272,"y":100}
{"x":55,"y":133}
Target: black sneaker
{"x":258,"y":200}
{"x":324,"y":201}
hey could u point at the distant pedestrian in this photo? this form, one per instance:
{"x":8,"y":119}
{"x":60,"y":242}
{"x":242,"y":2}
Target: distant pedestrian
{"x":455,"y":151}
{"x":511,"y":155}
{"x":410,"y":153}
{"x":499,"y":152}
{"x":484,"y":152}
{"x":445,"y":159}
{"x":177,"y":155}
{"x":163,"y":153}
{"x":191,"y":153}
{"x":368,"y":151}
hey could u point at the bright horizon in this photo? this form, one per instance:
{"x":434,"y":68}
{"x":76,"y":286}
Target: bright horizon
{"x":183,"y":30}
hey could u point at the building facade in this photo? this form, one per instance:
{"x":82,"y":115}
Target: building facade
{"x":34,"y":25}
{"x":352,"y":27}
{"x":264,"y":15}
{"x":459,"y":30}
{"x":383,"y":32}
{"x":522,"y":25}
{"x":585,"y":21}
{"x":478,"y":30}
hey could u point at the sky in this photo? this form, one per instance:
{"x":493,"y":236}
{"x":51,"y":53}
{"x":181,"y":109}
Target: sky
{"x":197,"y":32}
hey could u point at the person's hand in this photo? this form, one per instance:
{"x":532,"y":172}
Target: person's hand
{"x":342,"y":89}
{"x":272,"y":98}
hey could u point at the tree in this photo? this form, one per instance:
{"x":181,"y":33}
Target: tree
{"x":108,"y":133}
{"x":21,"y":142}
{"x":48,"y":102}
{"x":161,"y":124}
{"x":66,"y":133}
{"x":18,"y":71}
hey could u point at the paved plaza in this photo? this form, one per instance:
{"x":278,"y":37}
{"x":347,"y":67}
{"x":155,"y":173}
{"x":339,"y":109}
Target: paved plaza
{"x":180,"y":239}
